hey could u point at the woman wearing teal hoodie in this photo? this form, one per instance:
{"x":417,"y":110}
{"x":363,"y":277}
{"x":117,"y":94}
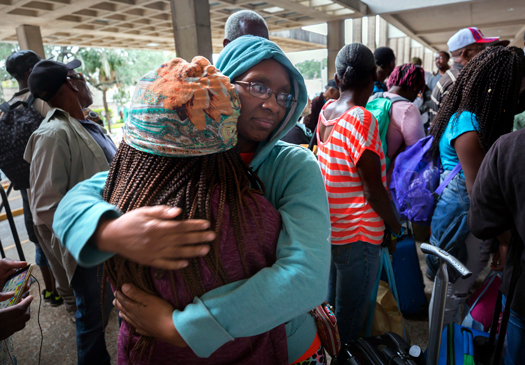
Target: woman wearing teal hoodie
{"x":94,"y":230}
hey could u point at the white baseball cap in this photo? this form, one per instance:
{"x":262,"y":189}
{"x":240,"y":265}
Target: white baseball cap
{"x":468,"y":36}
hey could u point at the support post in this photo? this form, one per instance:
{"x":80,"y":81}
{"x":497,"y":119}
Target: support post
{"x":357,"y":30}
{"x":29,"y":37}
{"x":371,"y":39}
{"x":408,"y":46}
{"x":335,"y":41}
{"x":383,"y":32}
{"x":192,"y":28}
{"x":400,"y":51}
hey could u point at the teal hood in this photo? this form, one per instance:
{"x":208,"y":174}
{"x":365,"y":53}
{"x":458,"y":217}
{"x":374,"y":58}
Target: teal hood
{"x":244,"y":53}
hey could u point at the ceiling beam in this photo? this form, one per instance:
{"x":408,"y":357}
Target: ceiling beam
{"x":518,"y":38}
{"x":396,"y":21}
{"x":423,"y":33}
{"x":360,"y":9}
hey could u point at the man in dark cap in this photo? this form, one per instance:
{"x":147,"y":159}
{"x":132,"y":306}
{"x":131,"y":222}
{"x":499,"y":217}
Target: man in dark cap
{"x":386,"y":62}
{"x":19,"y":65}
{"x":65,"y":150}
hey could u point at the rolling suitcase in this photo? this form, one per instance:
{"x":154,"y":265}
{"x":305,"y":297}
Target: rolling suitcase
{"x":409,"y":278}
{"x":459,"y":345}
{"x":386,"y":349}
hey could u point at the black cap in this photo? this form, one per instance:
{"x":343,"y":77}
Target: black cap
{"x":48,"y":77}
{"x":21,"y":61}
{"x":331,"y":83}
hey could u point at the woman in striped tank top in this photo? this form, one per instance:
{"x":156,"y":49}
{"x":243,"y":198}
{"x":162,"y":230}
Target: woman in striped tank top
{"x":353,"y":167}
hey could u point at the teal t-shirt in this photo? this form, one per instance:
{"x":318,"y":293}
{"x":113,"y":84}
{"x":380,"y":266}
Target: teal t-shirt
{"x":466,"y":122}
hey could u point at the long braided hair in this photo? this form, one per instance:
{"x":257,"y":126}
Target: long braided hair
{"x":488,"y":86}
{"x":138,"y":179}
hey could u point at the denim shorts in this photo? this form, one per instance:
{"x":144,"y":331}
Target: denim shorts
{"x":40,"y":256}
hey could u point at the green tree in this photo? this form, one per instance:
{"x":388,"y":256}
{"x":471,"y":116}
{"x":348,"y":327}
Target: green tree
{"x":311,"y":69}
{"x":109,"y":68}
{"x":5,"y":51}
{"x":100,"y":68}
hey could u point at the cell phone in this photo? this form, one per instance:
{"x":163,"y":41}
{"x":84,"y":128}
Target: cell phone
{"x":16,"y":282}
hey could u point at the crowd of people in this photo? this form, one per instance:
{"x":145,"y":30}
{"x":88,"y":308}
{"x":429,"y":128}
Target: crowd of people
{"x":215,"y":235}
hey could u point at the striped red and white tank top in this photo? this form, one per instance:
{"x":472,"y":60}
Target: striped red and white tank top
{"x":351,"y":215}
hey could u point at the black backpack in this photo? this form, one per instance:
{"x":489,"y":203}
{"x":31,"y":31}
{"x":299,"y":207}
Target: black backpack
{"x":16,"y":126}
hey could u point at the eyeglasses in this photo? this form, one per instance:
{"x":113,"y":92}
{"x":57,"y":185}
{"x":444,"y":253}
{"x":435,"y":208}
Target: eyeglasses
{"x":77,"y":76}
{"x":261,"y":91}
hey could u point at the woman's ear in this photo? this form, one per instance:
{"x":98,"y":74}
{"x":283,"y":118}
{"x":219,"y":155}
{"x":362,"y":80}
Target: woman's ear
{"x":337,"y":82}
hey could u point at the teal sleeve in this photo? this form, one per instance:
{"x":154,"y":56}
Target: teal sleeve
{"x":295,"y":284}
{"x":77,"y":217}
{"x":467,"y":122}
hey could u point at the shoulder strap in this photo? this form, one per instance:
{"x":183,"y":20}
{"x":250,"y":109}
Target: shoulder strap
{"x":313,"y":140}
{"x":30,"y":100}
{"x":377,"y":95}
{"x":397,"y":98}
{"x":5,"y":107}
{"x":449,"y":178}
{"x":506,"y":313}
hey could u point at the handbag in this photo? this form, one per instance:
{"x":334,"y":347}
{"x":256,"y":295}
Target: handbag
{"x":482,"y":303}
{"x":327,"y":328}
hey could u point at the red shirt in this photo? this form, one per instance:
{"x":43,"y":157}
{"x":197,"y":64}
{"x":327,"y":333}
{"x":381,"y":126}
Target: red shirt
{"x":351,"y":215}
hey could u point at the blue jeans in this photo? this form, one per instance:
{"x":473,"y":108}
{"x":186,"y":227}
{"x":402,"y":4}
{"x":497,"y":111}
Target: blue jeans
{"x":353,"y":272}
{"x":87,"y":286}
{"x":515,"y":338}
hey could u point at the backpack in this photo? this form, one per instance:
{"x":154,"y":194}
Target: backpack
{"x":16,"y":126}
{"x":380,"y":106}
{"x":415,"y":180}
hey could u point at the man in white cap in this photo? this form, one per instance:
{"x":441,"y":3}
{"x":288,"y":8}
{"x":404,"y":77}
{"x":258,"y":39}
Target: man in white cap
{"x":463,"y":46}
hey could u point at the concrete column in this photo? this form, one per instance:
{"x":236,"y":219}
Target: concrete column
{"x":392,"y":43}
{"x":408,"y":46}
{"x":383,"y":33}
{"x":192,"y":28}
{"x":400,"y":51}
{"x":335,"y":41}
{"x":428,"y":61}
{"x":371,"y":39}
{"x":357,"y":30}
{"x":29,"y":37}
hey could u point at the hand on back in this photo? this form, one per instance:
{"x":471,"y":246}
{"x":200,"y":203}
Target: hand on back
{"x":150,"y":236}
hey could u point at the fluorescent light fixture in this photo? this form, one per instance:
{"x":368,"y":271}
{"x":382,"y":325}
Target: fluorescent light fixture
{"x":273,"y":9}
{"x":152,"y":44}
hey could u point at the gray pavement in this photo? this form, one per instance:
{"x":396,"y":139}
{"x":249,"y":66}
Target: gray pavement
{"x":59,"y":344}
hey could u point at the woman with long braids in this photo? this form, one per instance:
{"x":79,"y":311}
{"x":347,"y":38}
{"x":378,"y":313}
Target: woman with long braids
{"x":193,"y":165}
{"x":353,"y":166}
{"x":477,"y":111}
{"x":272,"y":94}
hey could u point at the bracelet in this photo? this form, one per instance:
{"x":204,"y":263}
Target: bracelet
{"x":399,"y":235}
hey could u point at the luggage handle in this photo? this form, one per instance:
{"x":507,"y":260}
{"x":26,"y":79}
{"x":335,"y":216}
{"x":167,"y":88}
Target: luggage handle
{"x":451,"y":260}
{"x":440,"y":292}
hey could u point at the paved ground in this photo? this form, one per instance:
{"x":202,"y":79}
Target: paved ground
{"x":59,"y":344}
{"x":59,"y":332}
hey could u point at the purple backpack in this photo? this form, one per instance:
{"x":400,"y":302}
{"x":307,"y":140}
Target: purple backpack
{"x":415,"y":182}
